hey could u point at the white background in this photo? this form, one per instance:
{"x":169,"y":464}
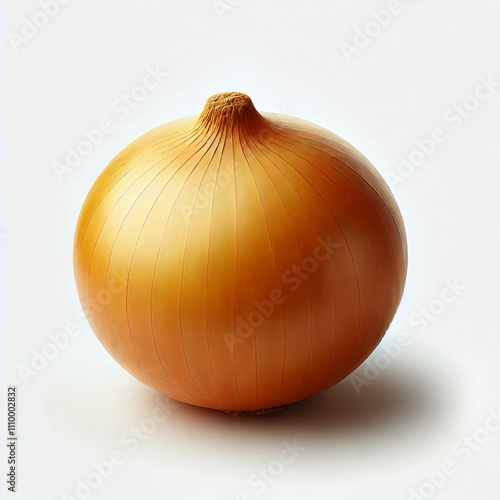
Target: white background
{"x":287,"y":56}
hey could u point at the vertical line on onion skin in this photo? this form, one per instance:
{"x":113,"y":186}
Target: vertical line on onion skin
{"x":123,"y":220}
{"x":241,"y":268}
{"x":151,"y":208}
{"x":395,"y":298}
{"x":298,"y":244}
{"x":148,"y":185}
{"x":237,"y":263}
{"x":220,"y":135}
{"x":156,"y":260}
{"x":345,"y":239}
{"x":311,"y":309}
{"x":244,"y":137}
{"x":162,"y":170}
{"x":133,"y":255}
{"x":332,"y":181}
{"x":193,"y":144}
{"x":208,"y":266}
{"x":119,"y":354}
{"x":214,"y":137}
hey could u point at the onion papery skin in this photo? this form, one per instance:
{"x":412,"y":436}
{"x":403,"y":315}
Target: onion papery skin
{"x":240,"y":261}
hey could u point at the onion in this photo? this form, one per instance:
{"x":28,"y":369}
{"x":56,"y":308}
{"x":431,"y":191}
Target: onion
{"x":240,"y":261}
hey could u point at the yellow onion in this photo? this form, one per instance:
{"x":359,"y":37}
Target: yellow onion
{"x":240,"y":261}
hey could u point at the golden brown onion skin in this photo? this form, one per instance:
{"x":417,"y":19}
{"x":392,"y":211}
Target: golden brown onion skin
{"x":240,"y":261}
